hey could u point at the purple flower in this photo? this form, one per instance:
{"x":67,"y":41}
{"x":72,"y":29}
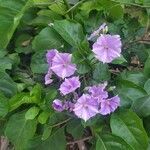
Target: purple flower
{"x":62,"y":66}
{"x":58,"y":105}
{"x":98,"y":91}
{"x":109,"y":105}
{"x":68,"y":106}
{"x":96,"y":33}
{"x":107,"y":48}
{"x":50,"y":55}
{"x":69,"y":85}
{"x":86,"y":107}
{"x":48,"y":79}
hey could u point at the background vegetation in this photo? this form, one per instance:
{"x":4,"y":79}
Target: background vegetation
{"x":28,"y":28}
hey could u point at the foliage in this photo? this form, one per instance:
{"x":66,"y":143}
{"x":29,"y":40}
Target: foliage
{"x":28,"y":28}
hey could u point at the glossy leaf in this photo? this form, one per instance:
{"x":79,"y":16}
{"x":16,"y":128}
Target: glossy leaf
{"x":111,"y":142}
{"x":128,"y":126}
{"x":11,"y":12}
{"x":70,"y":31}
{"x":142,"y":106}
{"x":75,"y":128}
{"x":147,"y":86}
{"x":47,"y":39}
{"x":38,"y":63}
{"x":55,"y":141}
{"x":47,"y":132}
{"x":101,"y":72}
{"x":43,"y":117}
{"x":7,"y":85}
{"x":4,"y":107}
{"x":19,"y":130}
{"x":32,"y":113}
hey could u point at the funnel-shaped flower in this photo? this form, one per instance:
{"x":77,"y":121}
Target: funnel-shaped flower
{"x":69,"y":85}
{"x":107,"y":48}
{"x":86,"y":107}
{"x":109,"y":105}
{"x":62,"y":65}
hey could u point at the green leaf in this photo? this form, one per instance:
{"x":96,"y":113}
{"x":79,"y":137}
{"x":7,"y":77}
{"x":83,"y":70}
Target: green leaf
{"x":80,"y":58}
{"x":136,"y":77}
{"x":47,"y":132}
{"x":101,"y":72}
{"x":120,"y":60}
{"x":83,"y":68}
{"x":17,"y":100}
{"x":75,"y":128}
{"x":147,"y":86}
{"x":88,"y":6}
{"x":70,"y":31}
{"x":111,"y":142}
{"x":43,"y":117}
{"x":11,"y":12}
{"x":58,"y":7}
{"x":48,"y":13}
{"x":24,"y":98}
{"x":146,"y":122}
{"x":116,"y":11}
{"x":19,"y":130}
{"x":38,"y":63}
{"x":56,"y":118}
{"x":7,"y":85}
{"x":42,"y":2}
{"x":4,"y":107}
{"x":147,"y":67}
{"x":142,"y":106}
{"x":130,"y":86}
{"x":3,"y":52}
{"x":36,"y":94}
{"x":47,"y":39}
{"x":32,"y":113}
{"x":6,"y":63}
{"x":56,"y":141}
{"x":51,"y":94}
{"x":128,"y":126}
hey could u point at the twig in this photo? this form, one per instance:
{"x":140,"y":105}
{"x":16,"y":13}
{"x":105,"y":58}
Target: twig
{"x":4,"y":143}
{"x":74,"y":6}
{"x":77,"y":141}
{"x":60,"y":123}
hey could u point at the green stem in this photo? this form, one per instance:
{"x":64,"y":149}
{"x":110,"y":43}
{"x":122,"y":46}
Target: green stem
{"x":67,"y":6}
{"x":76,"y":5}
{"x":60,"y":123}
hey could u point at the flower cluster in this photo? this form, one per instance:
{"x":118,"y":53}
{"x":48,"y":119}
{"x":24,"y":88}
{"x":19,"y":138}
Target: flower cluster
{"x":95,"y":100}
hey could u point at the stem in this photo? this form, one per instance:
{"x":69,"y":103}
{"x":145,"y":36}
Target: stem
{"x":60,"y":123}
{"x":74,"y":6}
{"x":81,"y":140}
{"x":67,"y":6}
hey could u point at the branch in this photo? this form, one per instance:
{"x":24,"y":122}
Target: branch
{"x":60,"y":123}
{"x":73,"y":7}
